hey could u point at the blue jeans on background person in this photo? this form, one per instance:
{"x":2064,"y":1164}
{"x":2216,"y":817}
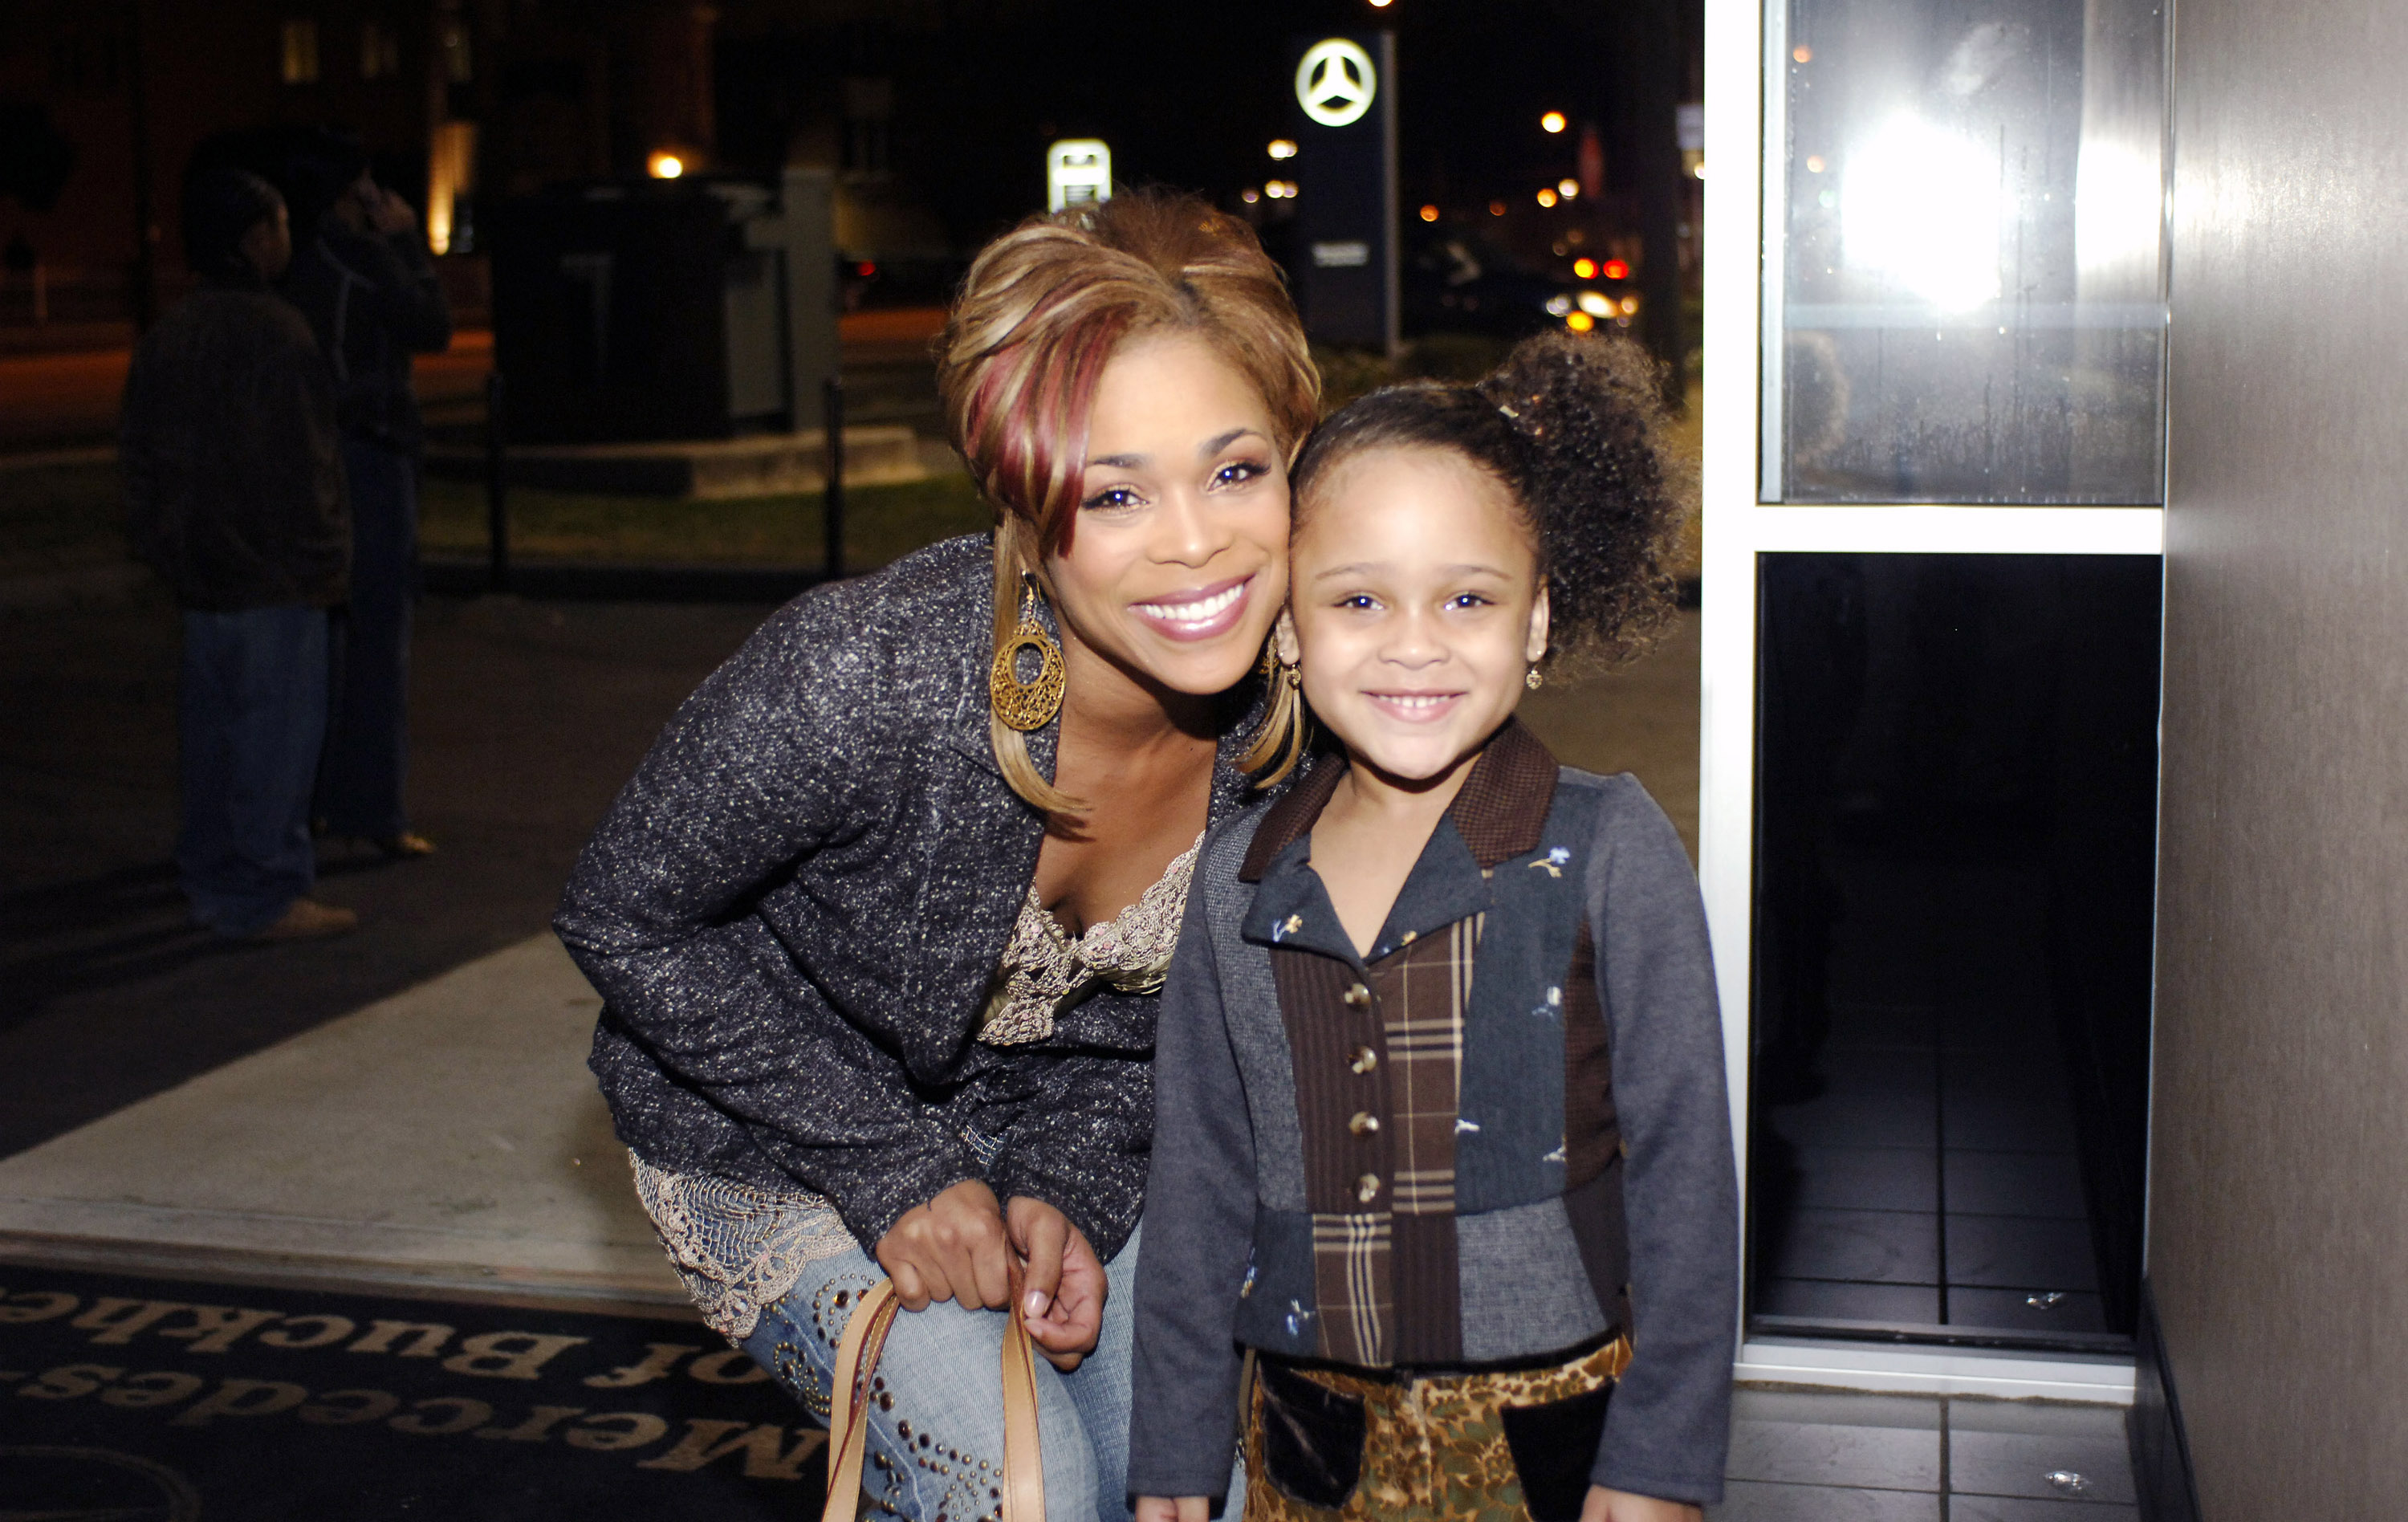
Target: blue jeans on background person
{"x":937,"y":1450}
{"x":251,"y":714}
{"x":367,"y":724}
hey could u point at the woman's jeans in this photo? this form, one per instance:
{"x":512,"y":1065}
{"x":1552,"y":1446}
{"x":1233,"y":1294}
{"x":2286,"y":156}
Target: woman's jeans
{"x":936,"y":1413}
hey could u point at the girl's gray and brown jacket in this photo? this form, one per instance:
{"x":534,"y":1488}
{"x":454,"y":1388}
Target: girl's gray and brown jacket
{"x":1501,"y":1135}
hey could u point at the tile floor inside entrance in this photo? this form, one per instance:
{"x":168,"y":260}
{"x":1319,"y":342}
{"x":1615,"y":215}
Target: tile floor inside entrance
{"x":1928,"y":1174}
{"x":1813,"y":1457}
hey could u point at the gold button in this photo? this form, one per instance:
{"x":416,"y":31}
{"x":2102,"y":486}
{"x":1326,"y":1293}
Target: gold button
{"x":1365,"y":1059}
{"x":1364,"y":1123}
{"x":1366,"y":1188}
{"x":1358,"y":996}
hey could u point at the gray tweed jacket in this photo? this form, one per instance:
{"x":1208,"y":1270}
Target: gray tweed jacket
{"x":794,"y":910}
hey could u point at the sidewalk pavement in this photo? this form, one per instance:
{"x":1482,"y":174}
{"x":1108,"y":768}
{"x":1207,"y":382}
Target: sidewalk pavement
{"x":447,"y":1141}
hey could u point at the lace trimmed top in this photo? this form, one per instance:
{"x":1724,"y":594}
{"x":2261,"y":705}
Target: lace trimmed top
{"x":739,"y":1248}
{"x":1045,"y":968}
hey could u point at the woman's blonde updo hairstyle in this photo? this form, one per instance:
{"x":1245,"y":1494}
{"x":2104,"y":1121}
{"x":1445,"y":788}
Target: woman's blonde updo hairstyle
{"x":1041,"y":313}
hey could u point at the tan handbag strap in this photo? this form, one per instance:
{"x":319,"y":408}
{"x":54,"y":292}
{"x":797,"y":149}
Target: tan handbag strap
{"x":857,"y":1367}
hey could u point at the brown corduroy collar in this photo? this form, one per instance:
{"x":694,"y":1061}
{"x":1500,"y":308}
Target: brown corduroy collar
{"x":1500,"y":812}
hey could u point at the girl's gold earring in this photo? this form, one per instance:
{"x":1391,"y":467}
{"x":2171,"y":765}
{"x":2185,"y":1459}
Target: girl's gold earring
{"x":1531,"y":679}
{"x":1027,"y":705}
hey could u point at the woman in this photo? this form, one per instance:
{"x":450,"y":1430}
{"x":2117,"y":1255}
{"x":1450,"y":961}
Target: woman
{"x":880,"y":921}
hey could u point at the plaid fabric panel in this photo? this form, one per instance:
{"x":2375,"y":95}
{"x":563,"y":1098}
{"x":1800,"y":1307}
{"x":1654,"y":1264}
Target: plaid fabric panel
{"x":1421,"y":991}
{"x":1351,"y":1278}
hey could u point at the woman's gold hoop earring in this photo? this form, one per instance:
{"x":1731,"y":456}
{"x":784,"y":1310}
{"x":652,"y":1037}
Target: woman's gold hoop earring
{"x":1531,"y":679}
{"x":1027,"y":705}
{"x":1276,"y":666}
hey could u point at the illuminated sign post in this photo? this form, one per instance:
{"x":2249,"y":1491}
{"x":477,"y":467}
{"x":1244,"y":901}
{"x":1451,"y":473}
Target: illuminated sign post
{"x":1077,"y":171}
{"x":1345,"y":126}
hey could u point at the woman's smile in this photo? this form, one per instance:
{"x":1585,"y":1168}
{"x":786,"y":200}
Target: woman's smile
{"x":1205,"y":612}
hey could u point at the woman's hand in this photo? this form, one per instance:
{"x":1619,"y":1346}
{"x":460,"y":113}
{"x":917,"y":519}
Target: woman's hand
{"x":1062,"y":1302}
{"x":1605,"y":1505}
{"x":952,"y":1248}
{"x":1166,"y":1509}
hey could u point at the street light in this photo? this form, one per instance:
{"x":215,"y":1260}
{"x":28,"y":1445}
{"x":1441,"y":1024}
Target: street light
{"x":1547,"y":196}
{"x":1551,"y":123}
{"x":1568,"y":189}
{"x":1283,"y":147}
{"x":1430,"y":213}
{"x":665,"y":165}
{"x":1585,"y":268}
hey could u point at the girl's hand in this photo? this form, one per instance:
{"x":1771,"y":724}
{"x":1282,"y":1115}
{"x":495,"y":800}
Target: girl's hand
{"x":1605,"y":1505}
{"x":1166,"y":1509}
{"x":1062,"y":1302}
{"x":952,"y":1248}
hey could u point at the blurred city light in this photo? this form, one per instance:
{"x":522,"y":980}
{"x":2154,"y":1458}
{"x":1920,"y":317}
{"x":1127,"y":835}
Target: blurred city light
{"x":1595,"y":305}
{"x":1380,"y":5}
{"x":1557,"y":305}
{"x":1568,"y":189}
{"x":1551,"y":122}
{"x":1497,"y":208}
{"x":1629,"y":306}
{"x":1803,"y":54}
{"x":1701,"y":170}
{"x":1580,"y":322}
{"x":1249,"y":196}
{"x":1616,"y":270}
{"x":1815,"y":163}
{"x":1920,"y":207}
{"x":1430,"y":213}
{"x":1547,"y":198}
{"x":1585,"y":268}
{"x":1280,"y":190}
{"x":1283,"y":147}
{"x":665,"y":165}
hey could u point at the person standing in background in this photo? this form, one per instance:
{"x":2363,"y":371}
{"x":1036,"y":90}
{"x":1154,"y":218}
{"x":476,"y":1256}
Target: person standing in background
{"x":234,"y":494}
{"x":368,"y":288}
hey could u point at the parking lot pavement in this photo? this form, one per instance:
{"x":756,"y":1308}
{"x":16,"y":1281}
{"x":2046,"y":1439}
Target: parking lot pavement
{"x":526,"y":718}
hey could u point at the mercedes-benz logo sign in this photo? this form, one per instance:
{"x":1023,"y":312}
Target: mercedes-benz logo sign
{"x":1336,"y":82}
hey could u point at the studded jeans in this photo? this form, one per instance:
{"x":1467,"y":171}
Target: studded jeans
{"x":935,"y":1429}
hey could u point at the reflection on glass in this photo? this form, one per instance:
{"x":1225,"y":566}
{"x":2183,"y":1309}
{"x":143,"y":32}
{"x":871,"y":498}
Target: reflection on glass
{"x":1965,"y":208}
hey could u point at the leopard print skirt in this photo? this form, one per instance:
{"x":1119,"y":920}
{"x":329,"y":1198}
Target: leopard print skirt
{"x":1323,"y":1444}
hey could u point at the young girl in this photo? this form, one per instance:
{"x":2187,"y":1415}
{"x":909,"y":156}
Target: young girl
{"x":1440,"y":1130}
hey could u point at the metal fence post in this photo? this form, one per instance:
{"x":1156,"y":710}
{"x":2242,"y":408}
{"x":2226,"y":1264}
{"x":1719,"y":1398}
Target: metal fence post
{"x":497,"y":508}
{"x":832,"y":515}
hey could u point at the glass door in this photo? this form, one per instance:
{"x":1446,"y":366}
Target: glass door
{"x":1934,"y":471}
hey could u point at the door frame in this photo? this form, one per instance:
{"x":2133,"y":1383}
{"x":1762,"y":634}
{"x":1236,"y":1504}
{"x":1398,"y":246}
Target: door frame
{"x":1744,"y":94}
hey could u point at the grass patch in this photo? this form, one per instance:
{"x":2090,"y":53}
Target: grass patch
{"x":881,"y":523}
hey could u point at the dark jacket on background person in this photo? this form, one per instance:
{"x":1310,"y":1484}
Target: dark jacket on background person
{"x":796,"y":909}
{"x":1571,"y":1178}
{"x":233,"y":468}
{"x":373,"y":301}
